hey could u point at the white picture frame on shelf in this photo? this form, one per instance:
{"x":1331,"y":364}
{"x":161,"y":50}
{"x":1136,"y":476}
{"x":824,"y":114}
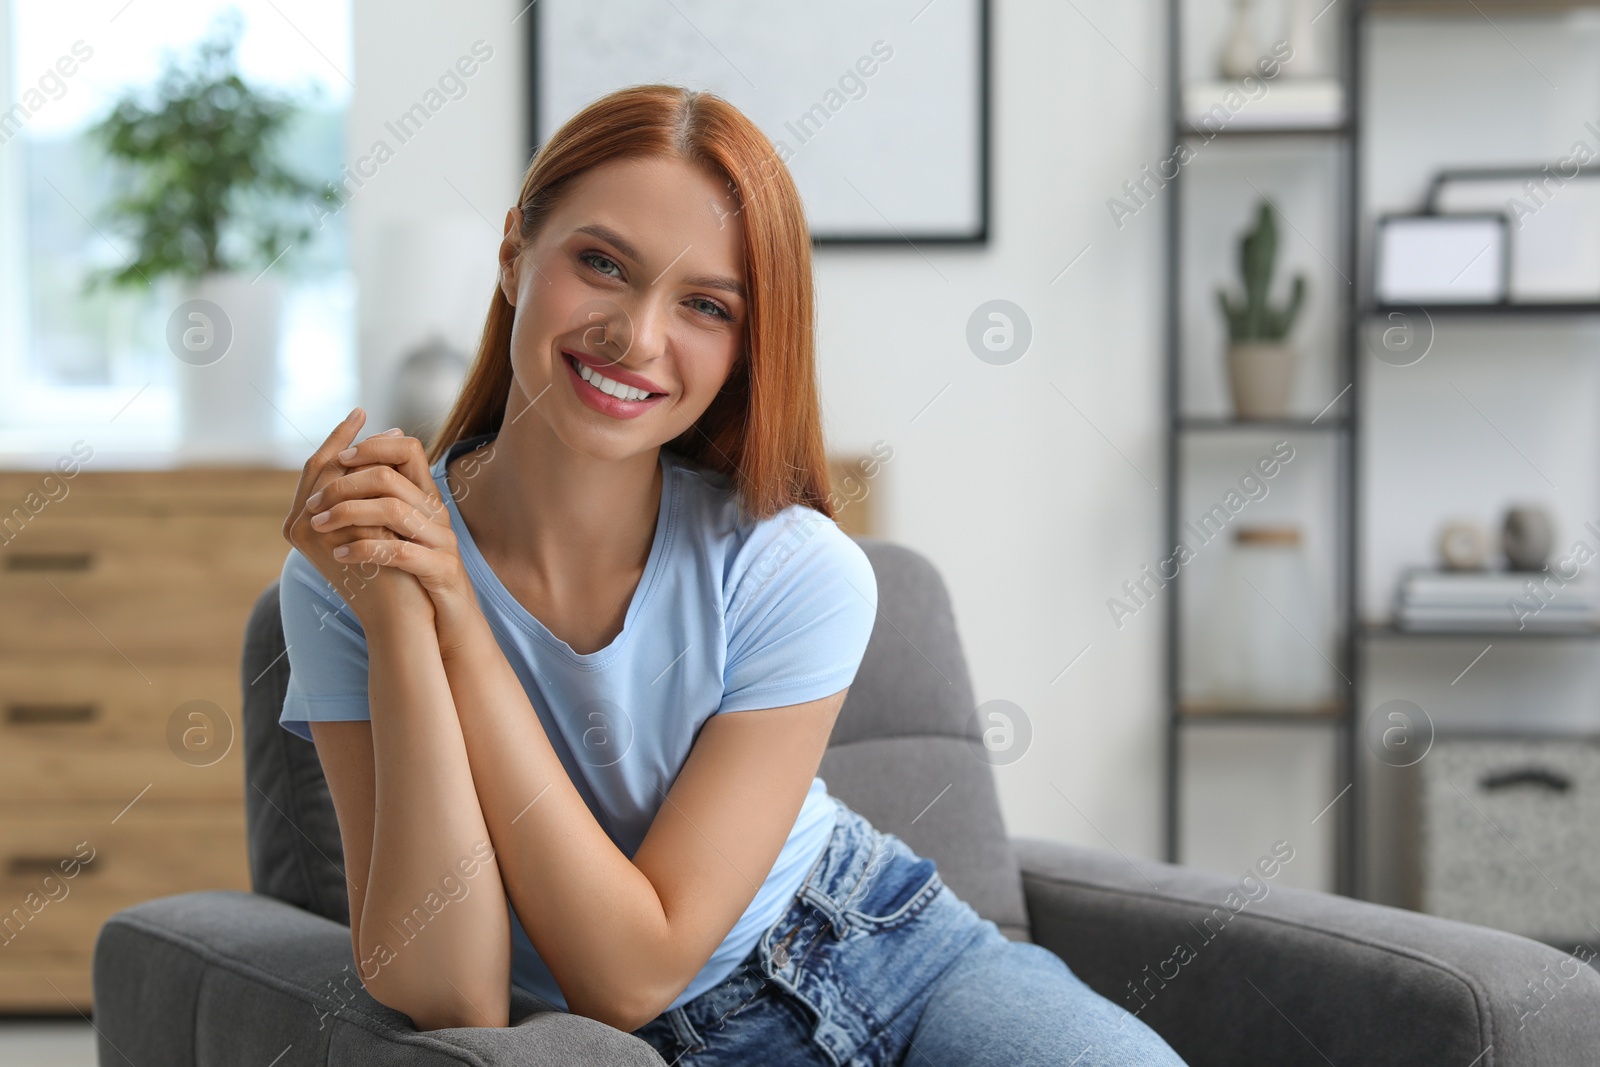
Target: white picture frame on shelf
{"x":1554,"y":226}
{"x":1441,"y":259}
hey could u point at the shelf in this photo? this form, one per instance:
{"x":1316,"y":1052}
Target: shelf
{"x":1211,"y":424}
{"x":1339,"y":130}
{"x":1386,"y":631}
{"x":1566,"y":309}
{"x":1214,"y":715}
{"x":1475,"y":9}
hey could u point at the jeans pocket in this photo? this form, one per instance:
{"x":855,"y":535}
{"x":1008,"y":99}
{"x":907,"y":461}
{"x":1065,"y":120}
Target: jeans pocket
{"x":896,"y":886}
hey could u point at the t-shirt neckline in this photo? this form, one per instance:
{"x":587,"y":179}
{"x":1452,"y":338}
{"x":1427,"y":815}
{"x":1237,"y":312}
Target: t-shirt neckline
{"x":486,"y":580}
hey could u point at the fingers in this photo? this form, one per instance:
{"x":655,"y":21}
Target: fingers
{"x":391,"y":513}
{"x":320,"y":461}
{"x":378,"y":481}
{"x":401,"y":555}
{"x":394,"y":449}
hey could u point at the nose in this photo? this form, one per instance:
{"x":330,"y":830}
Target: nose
{"x":651,"y":321}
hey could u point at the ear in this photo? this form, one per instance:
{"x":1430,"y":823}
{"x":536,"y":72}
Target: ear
{"x":510,"y":246}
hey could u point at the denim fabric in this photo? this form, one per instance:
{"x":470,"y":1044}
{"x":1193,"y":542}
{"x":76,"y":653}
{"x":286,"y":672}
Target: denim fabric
{"x":878,"y":962}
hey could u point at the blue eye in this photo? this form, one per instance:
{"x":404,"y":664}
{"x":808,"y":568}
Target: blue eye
{"x":590,"y":257}
{"x":716,"y":308}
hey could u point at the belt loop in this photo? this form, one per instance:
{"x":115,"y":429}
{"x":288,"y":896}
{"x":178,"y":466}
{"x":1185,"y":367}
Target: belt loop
{"x":684,"y":1030}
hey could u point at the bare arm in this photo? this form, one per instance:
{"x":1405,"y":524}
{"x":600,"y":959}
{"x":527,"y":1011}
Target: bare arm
{"x":622,"y":938}
{"x":427,"y":906}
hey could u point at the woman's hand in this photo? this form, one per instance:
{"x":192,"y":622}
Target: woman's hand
{"x":373,"y":592}
{"x":390,"y":488}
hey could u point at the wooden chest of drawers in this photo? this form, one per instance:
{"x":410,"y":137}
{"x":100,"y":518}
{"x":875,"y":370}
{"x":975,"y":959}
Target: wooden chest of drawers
{"x":123,"y":600}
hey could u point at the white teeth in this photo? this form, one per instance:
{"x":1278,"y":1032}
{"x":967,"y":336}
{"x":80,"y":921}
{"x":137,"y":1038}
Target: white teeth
{"x":606,"y":385}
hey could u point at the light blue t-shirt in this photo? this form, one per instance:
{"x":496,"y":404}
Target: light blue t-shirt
{"x":729,"y":615}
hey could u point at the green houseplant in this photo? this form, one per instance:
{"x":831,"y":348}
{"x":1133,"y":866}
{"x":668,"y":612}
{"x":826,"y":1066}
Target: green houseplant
{"x":205,"y":204}
{"x":1260,"y":358}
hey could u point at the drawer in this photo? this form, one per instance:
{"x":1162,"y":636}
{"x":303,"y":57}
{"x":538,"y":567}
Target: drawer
{"x":90,"y":728}
{"x":138,"y":586}
{"x":65,"y":869}
{"x":43,"y":496}
{"x":46,"y":982}
{"x":1500,"y":818}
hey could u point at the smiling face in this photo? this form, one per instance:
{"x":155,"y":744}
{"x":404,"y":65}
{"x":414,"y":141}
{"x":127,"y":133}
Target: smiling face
{"x":633,"y":285}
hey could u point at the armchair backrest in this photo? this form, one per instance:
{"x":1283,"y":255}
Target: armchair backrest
{"x":905,"y":752}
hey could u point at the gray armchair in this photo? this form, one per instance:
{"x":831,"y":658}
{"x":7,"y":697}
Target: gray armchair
{"x":1297,"y":978}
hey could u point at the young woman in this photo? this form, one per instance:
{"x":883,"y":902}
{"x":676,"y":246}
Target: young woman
{"x":571,"y":672}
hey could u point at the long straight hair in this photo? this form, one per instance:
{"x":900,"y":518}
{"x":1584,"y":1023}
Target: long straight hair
{"x":763,"y":430}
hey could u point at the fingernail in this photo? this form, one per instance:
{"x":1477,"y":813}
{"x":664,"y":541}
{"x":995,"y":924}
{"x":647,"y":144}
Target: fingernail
{"x":393,"y":431}
{"x":314,"y":499}
{"x":341,"y":552}
{"x":347,"y":455}
{"x":320,"y":517}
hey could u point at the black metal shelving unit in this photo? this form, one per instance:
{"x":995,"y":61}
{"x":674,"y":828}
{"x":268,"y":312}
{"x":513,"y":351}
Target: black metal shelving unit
{"x":1339,"y":425}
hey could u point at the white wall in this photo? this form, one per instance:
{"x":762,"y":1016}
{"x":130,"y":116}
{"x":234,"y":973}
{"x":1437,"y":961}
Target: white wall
{"x":425,"y":227}
{"x":1033,"y":509}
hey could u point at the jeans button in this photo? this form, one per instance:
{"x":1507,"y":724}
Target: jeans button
{"x":780,"y":957}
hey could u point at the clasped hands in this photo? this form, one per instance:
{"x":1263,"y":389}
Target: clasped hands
{"x":369,"y":517}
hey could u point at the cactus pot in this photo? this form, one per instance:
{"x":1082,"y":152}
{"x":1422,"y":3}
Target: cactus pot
{"x":1260,"y":375}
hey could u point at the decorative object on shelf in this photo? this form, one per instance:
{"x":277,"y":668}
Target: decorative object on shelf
{"x":1284,"y":103}
{"x":1555,"y":223}
{"x":1240,"y":51}
{"x":1441,"y":259}
{"x":1454,"y":601}
{"x":1527,"y":536}
{"x":1307,"y":59}
{"x":1260,"y":359}
{"x":215,"y":222}
{"x":429,"y":379}
{"x":1265,"y":617}
{"x":1463,"y":546}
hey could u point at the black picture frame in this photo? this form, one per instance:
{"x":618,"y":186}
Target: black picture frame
{"x":977,"y":237}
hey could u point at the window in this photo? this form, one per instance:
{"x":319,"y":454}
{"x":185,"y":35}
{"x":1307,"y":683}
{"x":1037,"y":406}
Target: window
{"x":95,"y":365}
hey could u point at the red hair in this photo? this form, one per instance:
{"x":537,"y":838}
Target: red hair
{"x":764,"y":428}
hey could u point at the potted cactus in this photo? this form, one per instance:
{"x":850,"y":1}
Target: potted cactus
{"x":1260,"y":358}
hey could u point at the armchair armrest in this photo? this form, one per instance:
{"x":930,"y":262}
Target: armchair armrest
{"x":1240,"y":970}
{"x":198,"y":977}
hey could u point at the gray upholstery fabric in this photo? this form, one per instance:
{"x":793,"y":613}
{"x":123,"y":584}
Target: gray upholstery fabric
{"x":224,"y":977}
{"x":295,"y":851}
{"x":909,"y":729}
{"x":1304,"y":978}
{"x":227,"y":977}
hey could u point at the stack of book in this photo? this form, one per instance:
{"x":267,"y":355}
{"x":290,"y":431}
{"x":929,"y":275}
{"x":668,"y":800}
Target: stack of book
{"x":1494,"y":600}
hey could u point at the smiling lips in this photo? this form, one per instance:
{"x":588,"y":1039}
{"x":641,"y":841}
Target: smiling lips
{"x":609,"y":389}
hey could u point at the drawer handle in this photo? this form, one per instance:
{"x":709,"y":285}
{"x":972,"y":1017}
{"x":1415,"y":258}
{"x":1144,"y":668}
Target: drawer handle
{"x":1551,"y":780}
{"x":50,"y":561}
{"x":24,"y":866}
{"x":50,"y":714}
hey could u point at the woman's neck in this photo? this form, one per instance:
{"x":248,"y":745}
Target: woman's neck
{"x":563,"y":520}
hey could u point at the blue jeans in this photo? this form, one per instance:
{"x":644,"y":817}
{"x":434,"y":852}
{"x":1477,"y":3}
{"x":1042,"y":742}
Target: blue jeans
{"x":877,"y":962}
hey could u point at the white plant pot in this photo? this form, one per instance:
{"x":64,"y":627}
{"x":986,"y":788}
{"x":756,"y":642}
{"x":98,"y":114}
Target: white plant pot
{"x":1260,"y":375}
{"x":224,"y":336}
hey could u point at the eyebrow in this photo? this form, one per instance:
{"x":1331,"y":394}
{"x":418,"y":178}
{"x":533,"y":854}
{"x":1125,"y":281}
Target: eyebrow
{"x":708,"y":281}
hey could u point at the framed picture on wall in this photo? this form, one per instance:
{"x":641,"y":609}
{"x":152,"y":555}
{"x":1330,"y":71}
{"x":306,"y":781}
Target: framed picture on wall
{"x":880,"y":111}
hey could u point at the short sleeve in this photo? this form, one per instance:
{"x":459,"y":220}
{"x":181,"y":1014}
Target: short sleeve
{"x":800,"y":614}
{"x":327,"y":650}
